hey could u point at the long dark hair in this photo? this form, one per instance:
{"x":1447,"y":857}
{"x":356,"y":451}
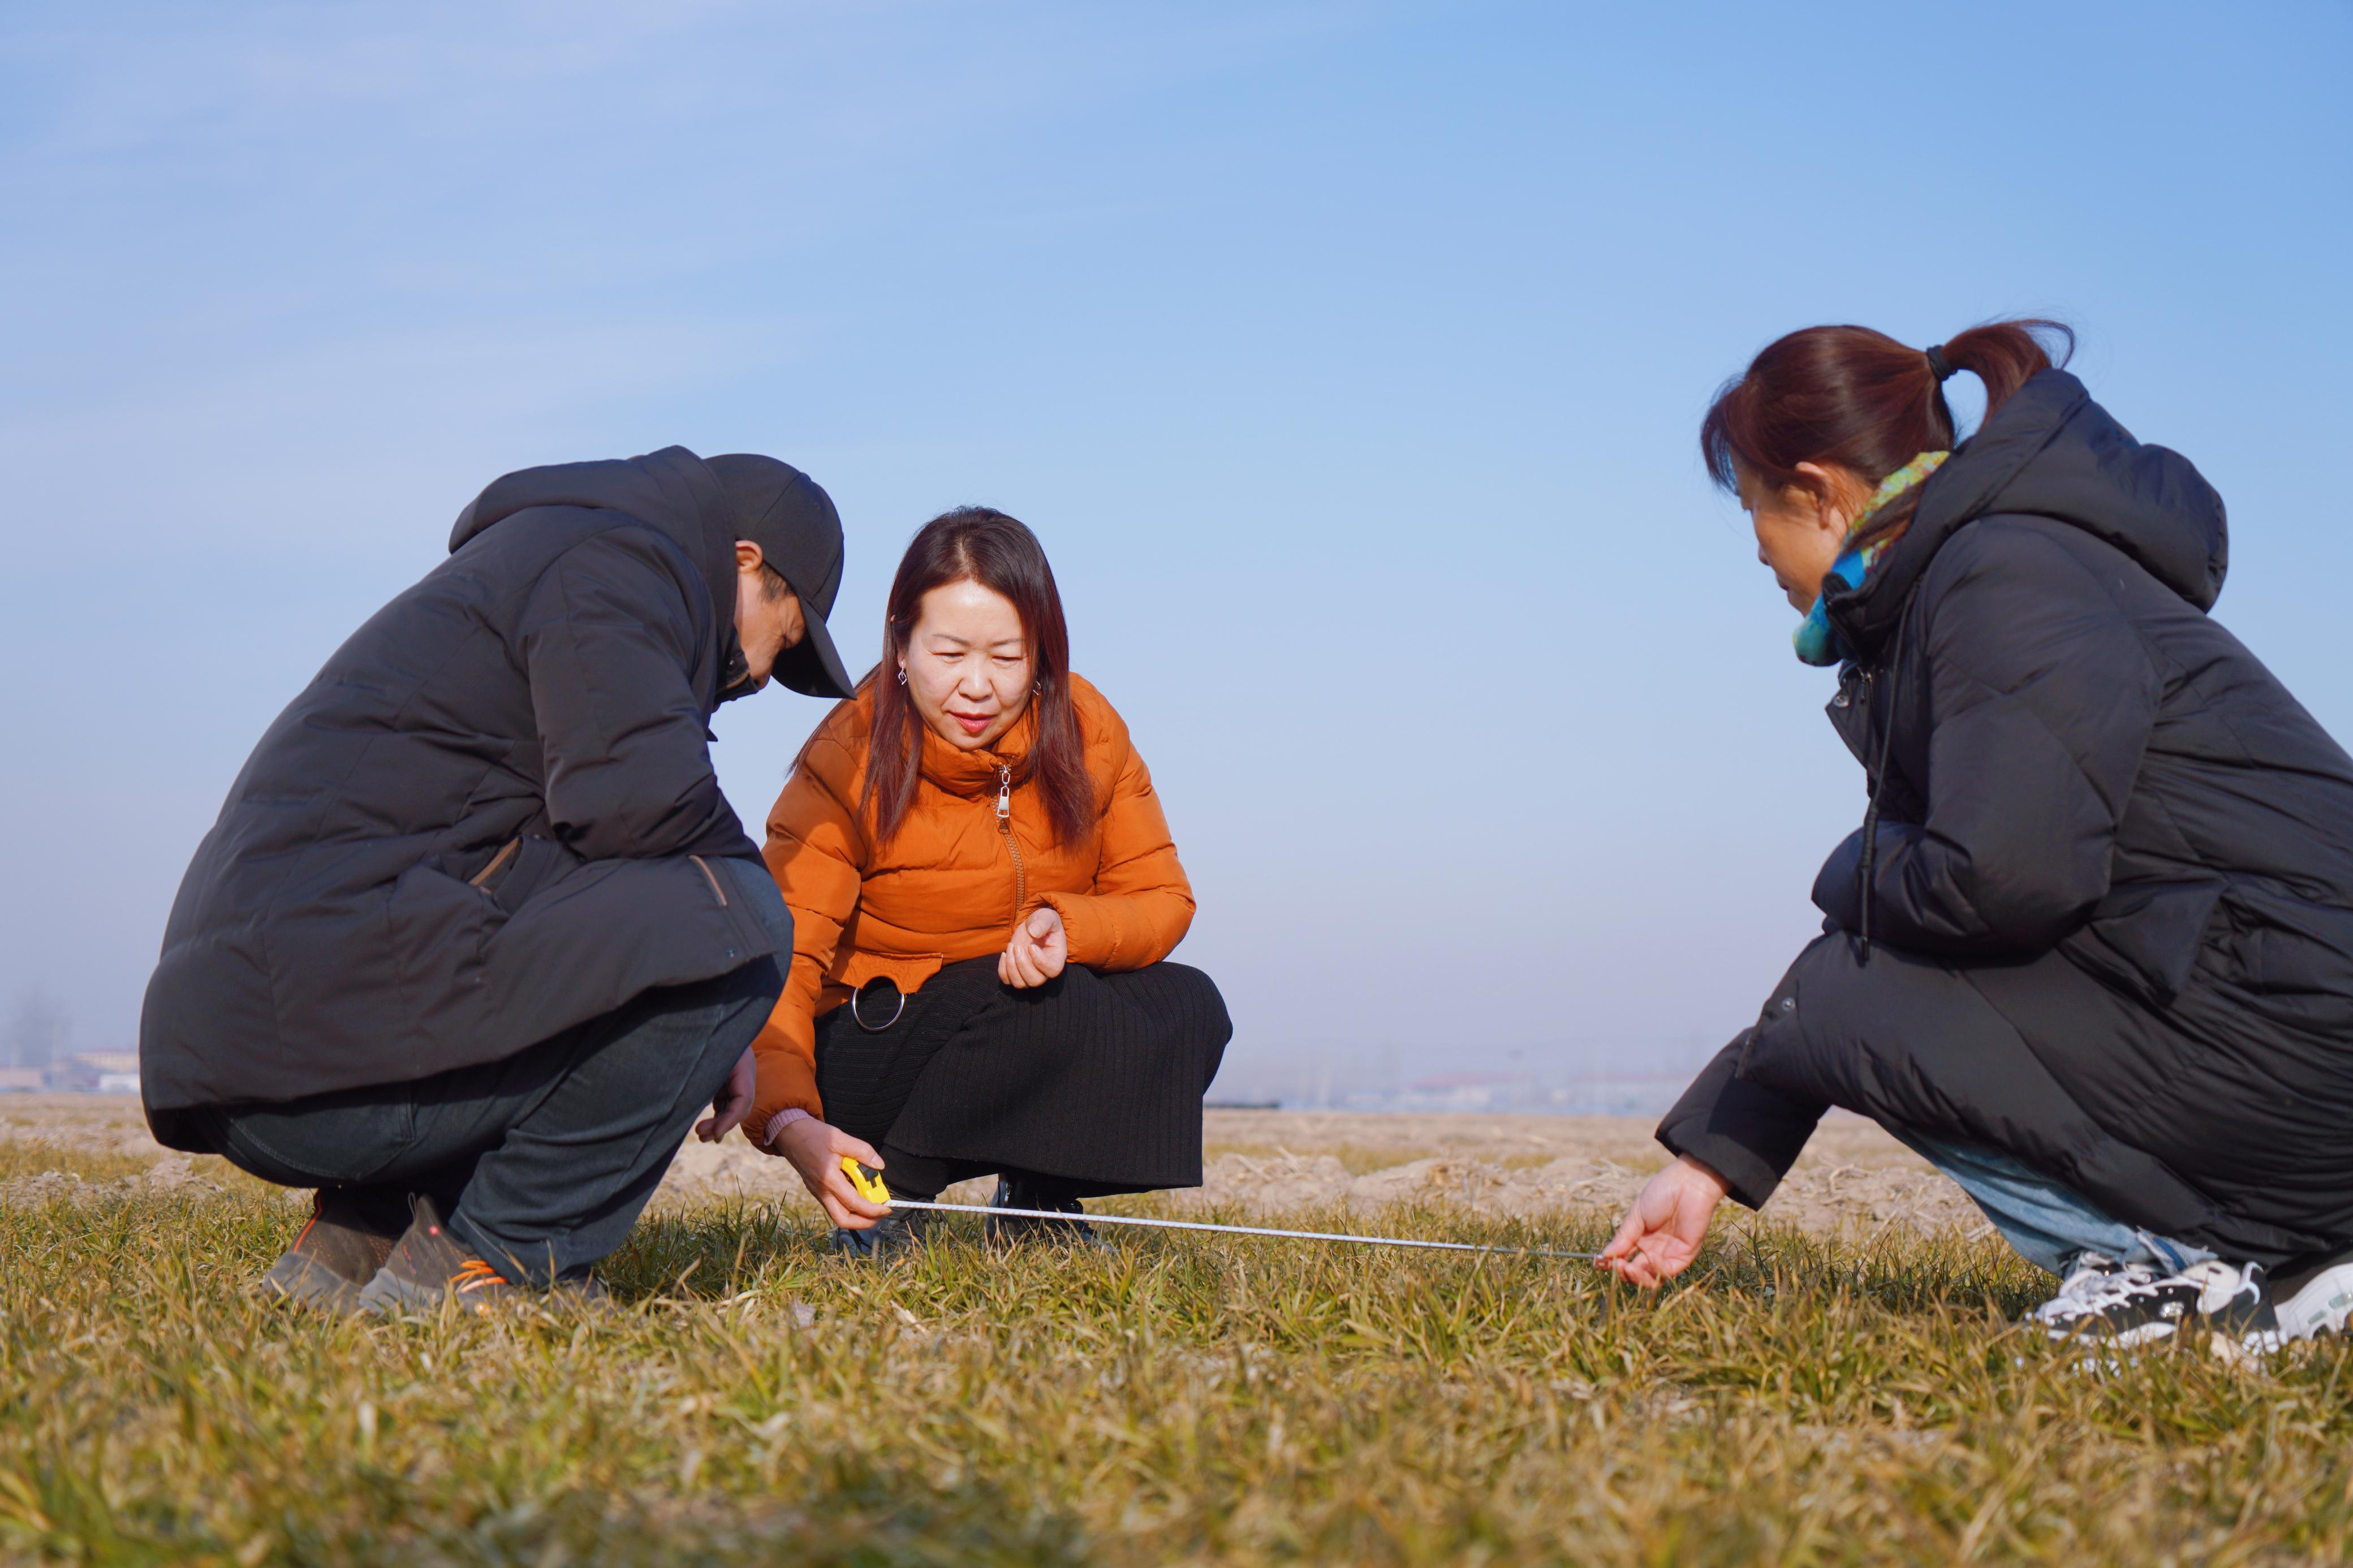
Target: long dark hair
{"x":1862,"y":400}
{"x":983,"y":545}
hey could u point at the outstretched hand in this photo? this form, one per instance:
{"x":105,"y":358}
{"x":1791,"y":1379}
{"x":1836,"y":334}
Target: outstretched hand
{"x":1663,"y":1229}
{"x":816,"y":1149}
{"x":734,"y":1101}
{"x":1038,"y":950}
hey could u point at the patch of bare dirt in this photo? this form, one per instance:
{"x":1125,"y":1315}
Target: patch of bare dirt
{"x":173,"y":1175}
{"x":80,"y":1124}
{"x":1852,"y":1179}
{"x":732,"y":1169}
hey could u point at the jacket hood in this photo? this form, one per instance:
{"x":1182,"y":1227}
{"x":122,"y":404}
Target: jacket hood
{"x":672,"y":490}
{"x":2049,"y":451}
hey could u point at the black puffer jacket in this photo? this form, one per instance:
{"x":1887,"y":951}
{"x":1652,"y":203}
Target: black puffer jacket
{"x":2112,"y":887}
{"x":480,"y":823}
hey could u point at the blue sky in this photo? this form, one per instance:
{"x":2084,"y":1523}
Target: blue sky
{"x":1346,"y":356}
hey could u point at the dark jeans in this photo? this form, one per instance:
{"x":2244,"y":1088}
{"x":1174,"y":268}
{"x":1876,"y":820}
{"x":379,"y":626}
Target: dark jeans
{"x":542,"y":1162}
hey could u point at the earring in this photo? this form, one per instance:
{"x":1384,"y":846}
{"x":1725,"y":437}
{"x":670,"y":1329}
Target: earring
{"x":1037,"y":689}
{"x":903,"y":675}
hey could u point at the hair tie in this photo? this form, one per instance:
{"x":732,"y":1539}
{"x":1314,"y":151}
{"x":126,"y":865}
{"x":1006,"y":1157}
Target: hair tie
{"x":1939,"y":366}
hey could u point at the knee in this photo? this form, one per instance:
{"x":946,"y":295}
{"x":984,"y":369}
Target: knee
{"x":1196,"y":996}
{"x":752,"y":992}
{"x":728,"y":1011}
{"x":763,"y":979}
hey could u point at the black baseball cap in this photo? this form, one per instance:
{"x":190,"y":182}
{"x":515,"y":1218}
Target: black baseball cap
{"x":791,"y":519}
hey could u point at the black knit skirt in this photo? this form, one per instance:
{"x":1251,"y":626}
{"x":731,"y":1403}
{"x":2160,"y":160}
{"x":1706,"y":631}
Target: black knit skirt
{"x":1093,"y":1079}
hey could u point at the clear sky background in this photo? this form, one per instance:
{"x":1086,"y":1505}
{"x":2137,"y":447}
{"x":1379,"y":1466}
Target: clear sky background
{"x":1347,"y":358}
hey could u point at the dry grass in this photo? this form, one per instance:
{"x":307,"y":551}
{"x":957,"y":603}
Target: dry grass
{"x":1176,"y":1398}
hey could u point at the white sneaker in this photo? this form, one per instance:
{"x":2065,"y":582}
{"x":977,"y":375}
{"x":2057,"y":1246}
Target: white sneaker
{"x":2318,"y":1303}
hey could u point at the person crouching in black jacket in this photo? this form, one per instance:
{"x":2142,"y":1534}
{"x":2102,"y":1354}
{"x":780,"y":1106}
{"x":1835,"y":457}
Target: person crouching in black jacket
{"x":2091,"y":952}
{"x":476,"y":935}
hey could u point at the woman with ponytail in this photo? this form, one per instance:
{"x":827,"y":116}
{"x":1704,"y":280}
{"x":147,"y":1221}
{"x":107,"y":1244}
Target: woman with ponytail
{"x":983,"y":895}
{"x":2091,"y":952}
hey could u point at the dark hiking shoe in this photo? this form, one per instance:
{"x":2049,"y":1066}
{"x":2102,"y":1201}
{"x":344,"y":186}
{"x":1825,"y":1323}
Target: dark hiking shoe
{"x":586,"y":1291}
{"x":431,"y":1267}
{"x":338,"y":1253}
{"x":1018,"y":1230}
{"x":894,"y":1235}
{"x":2315,"y":1300}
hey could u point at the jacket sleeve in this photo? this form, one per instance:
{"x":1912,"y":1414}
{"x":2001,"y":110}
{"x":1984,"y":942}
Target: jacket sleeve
{"x":1745,"y":1133}
{"x":1141,"y":904}
{"x":2042,"y":697}
{"x":816,"y":850}
{"x":609,"y":647}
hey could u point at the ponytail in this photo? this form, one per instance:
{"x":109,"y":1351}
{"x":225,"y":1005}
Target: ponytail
{"x":2005,"y":355}
{"x":1855,"y":398}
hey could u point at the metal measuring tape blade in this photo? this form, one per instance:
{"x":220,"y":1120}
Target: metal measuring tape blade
{"x":869,"y":1185}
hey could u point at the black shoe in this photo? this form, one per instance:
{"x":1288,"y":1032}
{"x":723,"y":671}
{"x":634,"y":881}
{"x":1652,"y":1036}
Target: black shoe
{"x":2131,"y":1304}
{"x":336,"y":1254}
{"x":2234,"y":1303}
{"x":430,"y":1266}
{"x":894,"y":1235}
{"x":1017,"y":1230}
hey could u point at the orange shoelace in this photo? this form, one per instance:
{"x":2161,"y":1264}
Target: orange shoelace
{"x":475,"y":1275}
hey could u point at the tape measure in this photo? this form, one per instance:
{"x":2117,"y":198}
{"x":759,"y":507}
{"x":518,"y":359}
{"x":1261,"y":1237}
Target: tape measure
{"x":869,"y":1185}
{"x":866,"y":1179}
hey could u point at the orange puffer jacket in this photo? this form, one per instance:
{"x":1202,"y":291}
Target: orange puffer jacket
{"x":953,"y":880}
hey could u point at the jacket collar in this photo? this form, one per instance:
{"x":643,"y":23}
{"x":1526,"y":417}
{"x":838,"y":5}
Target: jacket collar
{"x":978,"y":773}
{"x":1958,"y":493}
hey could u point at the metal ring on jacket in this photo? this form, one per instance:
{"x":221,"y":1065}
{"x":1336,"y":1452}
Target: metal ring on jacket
{"x":877,"y":1028}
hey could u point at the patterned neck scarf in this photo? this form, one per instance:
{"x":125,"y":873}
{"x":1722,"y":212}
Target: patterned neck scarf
{"x":1818,"y":641}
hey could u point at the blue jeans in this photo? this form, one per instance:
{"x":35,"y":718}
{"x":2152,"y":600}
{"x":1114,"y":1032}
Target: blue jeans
{"x":2048,"y":1224}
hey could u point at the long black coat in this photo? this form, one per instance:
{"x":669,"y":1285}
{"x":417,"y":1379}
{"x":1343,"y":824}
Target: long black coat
{"x":480,"y":823}
{"x":2112,"y":901}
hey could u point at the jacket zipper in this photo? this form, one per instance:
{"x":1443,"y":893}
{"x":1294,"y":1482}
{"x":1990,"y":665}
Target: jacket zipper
{"x":1004,"y":825}
{"x":1870,"y":703}
{"x":498,"y":863}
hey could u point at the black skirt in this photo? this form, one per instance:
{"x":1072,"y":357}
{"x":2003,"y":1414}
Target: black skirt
{"x":1094,"y":1079}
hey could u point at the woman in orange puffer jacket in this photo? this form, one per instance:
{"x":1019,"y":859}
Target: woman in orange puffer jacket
{"x":983,"y":894}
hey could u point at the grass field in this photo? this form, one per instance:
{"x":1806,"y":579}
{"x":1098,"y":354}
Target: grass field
{"x":1175,"y":1399}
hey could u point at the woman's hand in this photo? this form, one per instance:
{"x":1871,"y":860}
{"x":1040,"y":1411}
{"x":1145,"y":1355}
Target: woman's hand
{"x":1663,"y":1229}
{"x":732,"y":1103}
{"x":816,"y":1149}
{"x":1038,"y":950}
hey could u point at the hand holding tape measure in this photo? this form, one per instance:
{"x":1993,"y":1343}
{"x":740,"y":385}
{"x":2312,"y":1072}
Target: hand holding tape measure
{"x":866,"y":1179}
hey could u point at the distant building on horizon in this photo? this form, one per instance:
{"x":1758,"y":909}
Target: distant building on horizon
{"x":94,"y":1072}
